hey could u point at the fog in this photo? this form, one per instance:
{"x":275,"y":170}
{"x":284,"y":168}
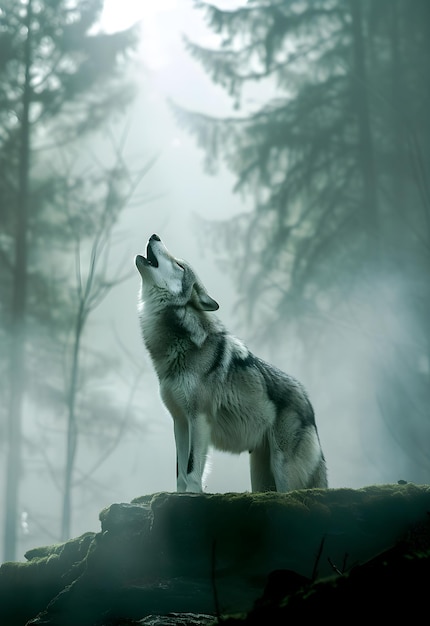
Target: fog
{"x":136,"y":454}
{"x":174,"y":192}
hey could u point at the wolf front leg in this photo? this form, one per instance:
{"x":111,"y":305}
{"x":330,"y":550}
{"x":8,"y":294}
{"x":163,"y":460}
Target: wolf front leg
{"x":199,"y":439}
{"x":182,"y":452}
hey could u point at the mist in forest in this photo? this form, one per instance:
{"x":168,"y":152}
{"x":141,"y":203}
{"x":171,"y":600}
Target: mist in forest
{"x":283,"y":150}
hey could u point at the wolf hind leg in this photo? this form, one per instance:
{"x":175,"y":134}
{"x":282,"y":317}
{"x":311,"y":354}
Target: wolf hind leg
{"x":261,"y":474}
{"x":298,"y":466}
{"x":319,"y":476}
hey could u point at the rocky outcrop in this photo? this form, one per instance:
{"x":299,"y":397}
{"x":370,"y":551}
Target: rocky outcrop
{"x":206,"y":555}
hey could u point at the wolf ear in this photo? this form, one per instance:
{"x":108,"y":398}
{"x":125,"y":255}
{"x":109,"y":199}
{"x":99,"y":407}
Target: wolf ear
{"x":203,"y":300}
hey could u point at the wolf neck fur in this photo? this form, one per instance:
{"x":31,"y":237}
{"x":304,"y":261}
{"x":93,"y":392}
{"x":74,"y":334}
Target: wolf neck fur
{"x":171,"y":332}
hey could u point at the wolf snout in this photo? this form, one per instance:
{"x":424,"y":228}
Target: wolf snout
{"x":154,"y":237}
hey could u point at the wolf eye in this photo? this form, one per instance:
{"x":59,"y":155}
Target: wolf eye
{"x":181,"y":266}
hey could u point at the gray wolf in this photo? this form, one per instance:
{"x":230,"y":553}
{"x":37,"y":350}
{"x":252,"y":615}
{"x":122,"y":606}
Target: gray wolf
{"x":216,"y":390}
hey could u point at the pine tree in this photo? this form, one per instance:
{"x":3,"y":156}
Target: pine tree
{"x":59,"y":79}
{"x":336,"y":162}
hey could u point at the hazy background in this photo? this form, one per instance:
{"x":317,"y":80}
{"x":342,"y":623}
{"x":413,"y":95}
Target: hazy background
{"x":335,"y":359}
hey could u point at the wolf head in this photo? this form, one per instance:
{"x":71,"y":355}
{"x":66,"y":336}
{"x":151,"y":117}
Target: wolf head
{"x":166,"y":279}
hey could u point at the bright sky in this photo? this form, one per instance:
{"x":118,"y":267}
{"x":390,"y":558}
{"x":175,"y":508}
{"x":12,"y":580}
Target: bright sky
{"x":120,"y":14}
{"x":163,"y":22}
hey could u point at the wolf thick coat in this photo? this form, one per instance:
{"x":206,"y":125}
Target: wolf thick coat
{"x":216,"y":390}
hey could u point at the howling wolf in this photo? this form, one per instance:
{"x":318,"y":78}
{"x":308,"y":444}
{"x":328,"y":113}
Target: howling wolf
{"x":216,"y":390}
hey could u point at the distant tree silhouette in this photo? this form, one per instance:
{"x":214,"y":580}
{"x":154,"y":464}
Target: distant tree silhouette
{"x":330,"y":138}
{"x":103,"y":196}
{"x":59,"y":79}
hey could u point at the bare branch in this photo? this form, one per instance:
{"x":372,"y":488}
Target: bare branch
{"x":120,"y":433}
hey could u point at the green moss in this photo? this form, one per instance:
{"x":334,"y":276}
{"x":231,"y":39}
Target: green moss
{"x":26,"y":588}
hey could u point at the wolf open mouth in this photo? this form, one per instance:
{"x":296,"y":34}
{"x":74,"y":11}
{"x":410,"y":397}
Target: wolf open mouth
{"x":150,"y":256}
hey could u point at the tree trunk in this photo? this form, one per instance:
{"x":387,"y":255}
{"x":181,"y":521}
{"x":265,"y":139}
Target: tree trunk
{"x":18,"y":318}
{"x":366,"y":157}
{"x":72,"y":428}
{"x":398,"y":112}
